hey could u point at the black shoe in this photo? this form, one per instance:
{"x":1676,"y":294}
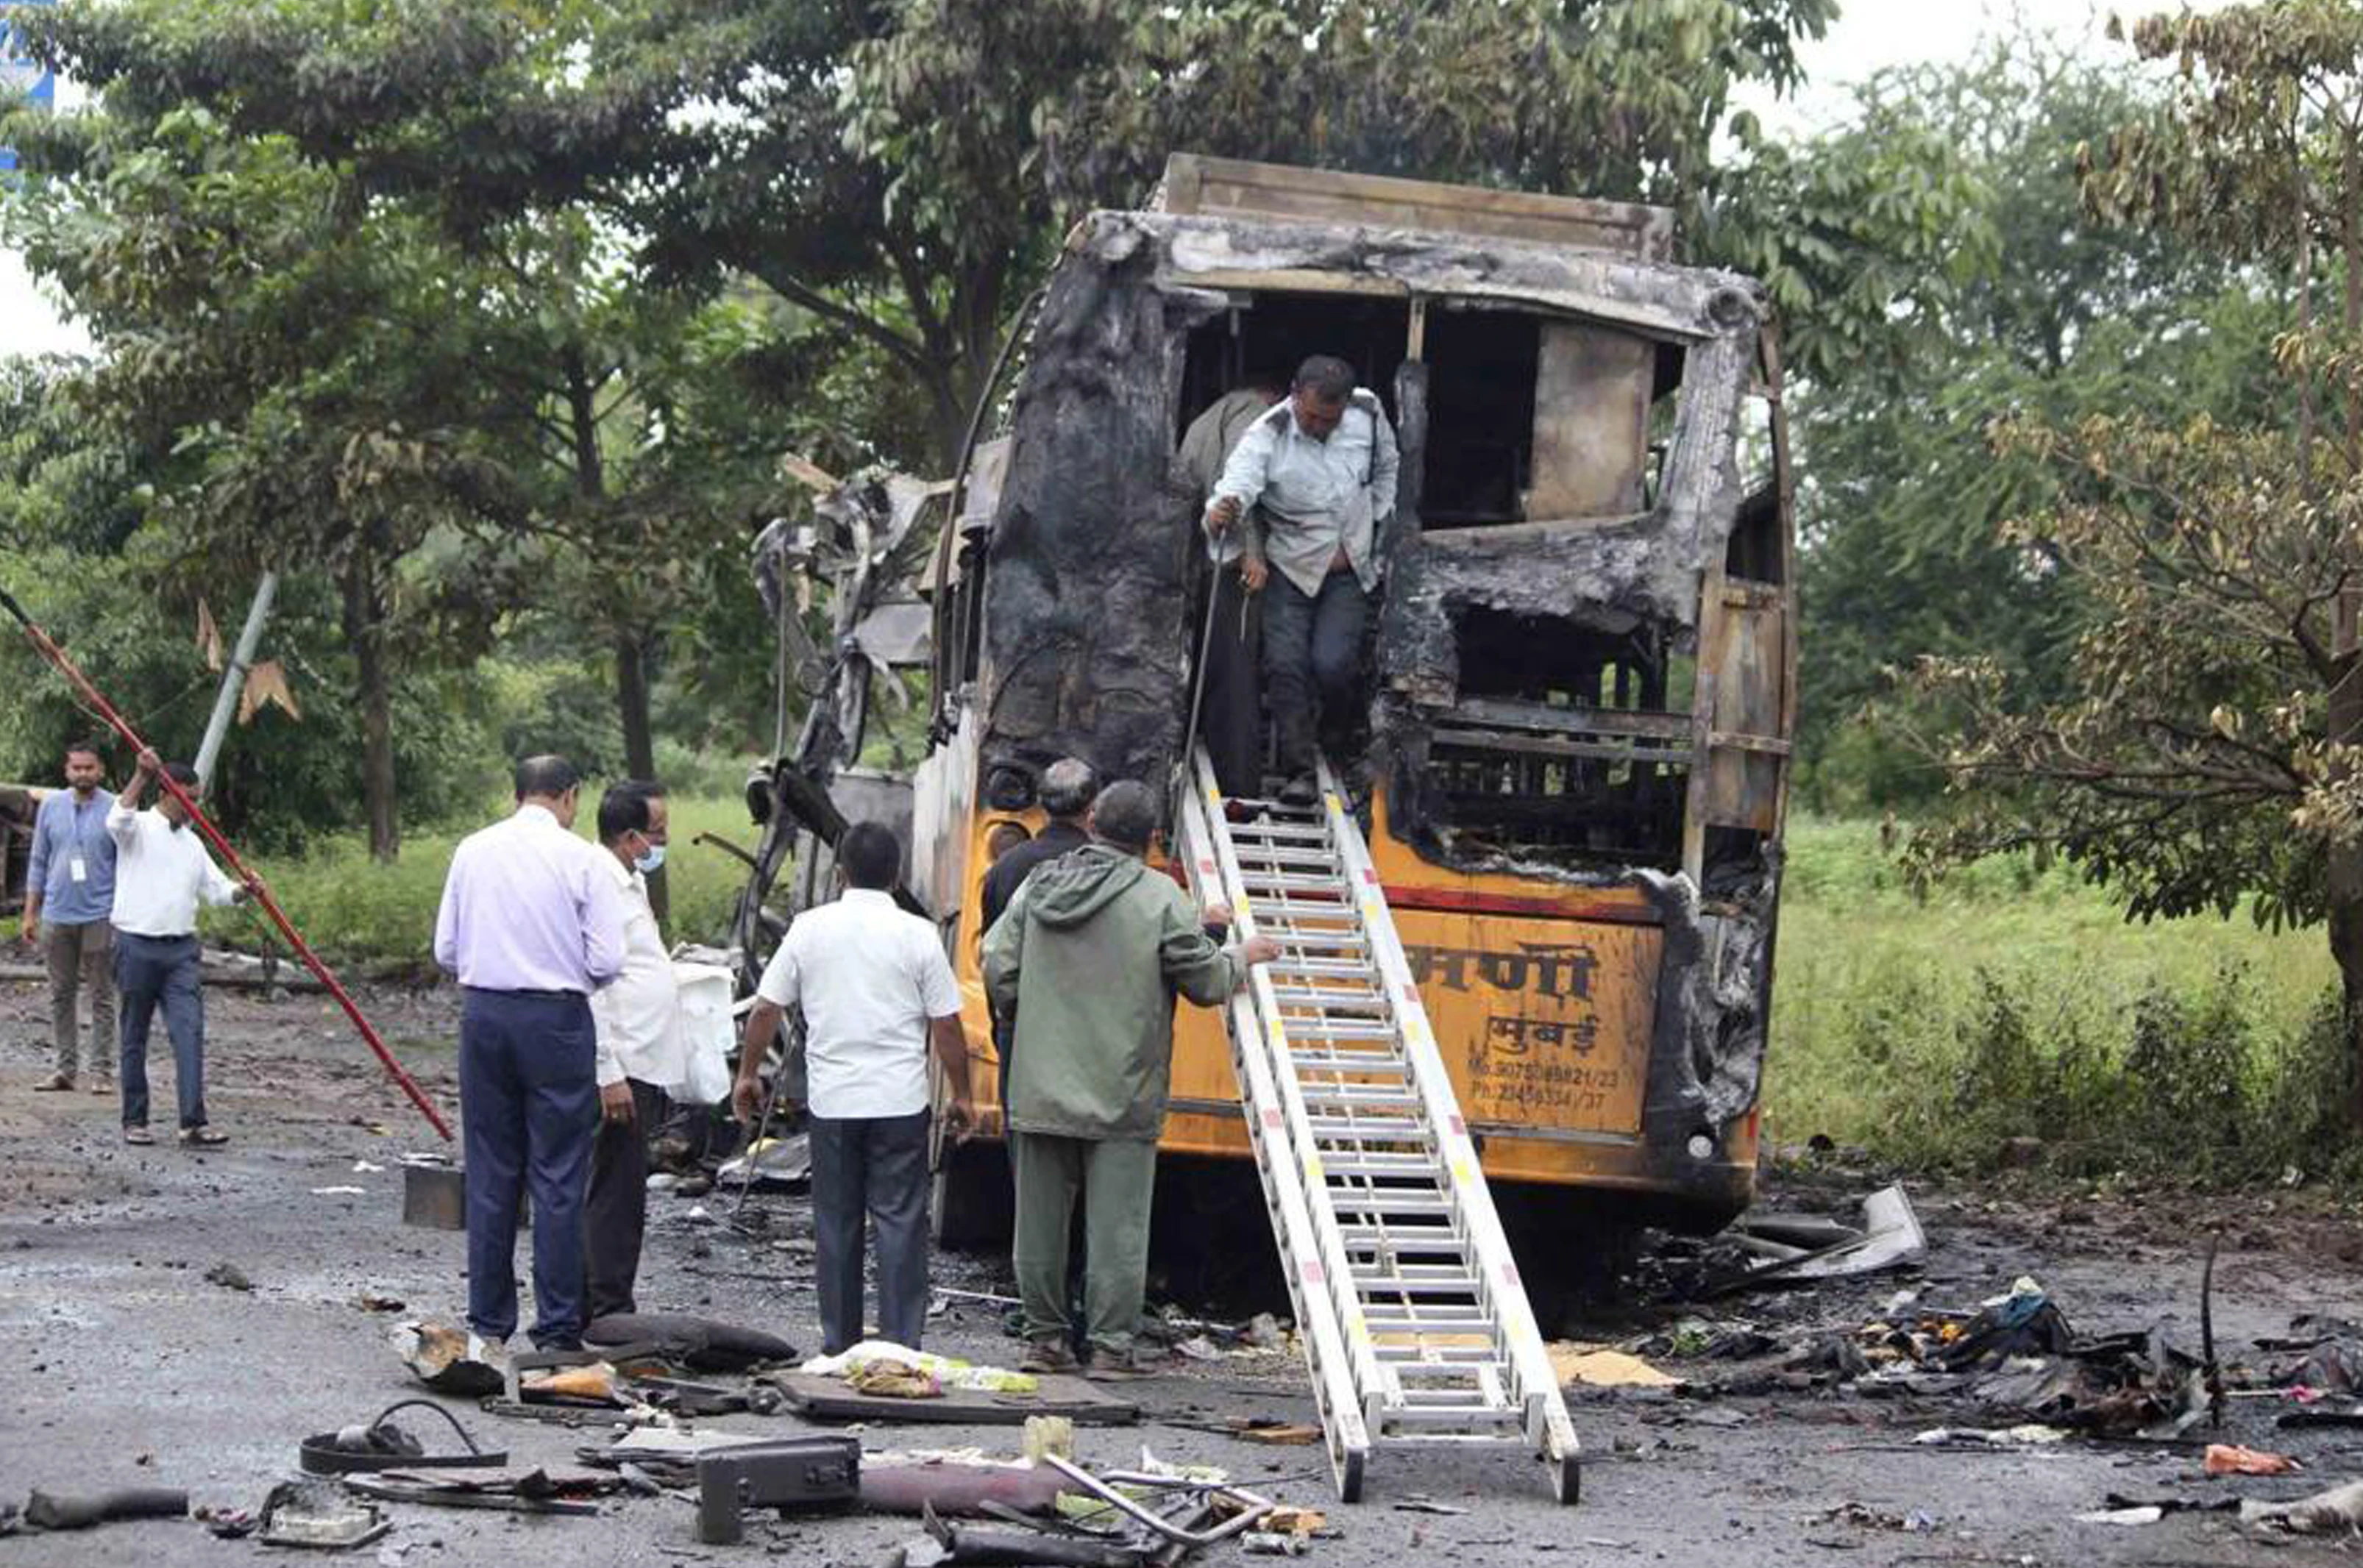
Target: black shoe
{"x":1301,"y":791}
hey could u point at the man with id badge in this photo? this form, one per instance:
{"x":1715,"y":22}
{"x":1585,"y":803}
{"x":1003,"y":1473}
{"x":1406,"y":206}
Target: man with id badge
{"x":69,"y":895}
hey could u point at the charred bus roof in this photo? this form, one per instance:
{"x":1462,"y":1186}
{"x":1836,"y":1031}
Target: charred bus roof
{"x":1570,"y":405}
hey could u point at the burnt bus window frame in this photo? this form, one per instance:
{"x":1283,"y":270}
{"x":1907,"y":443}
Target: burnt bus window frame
{"x":1610,"y":792}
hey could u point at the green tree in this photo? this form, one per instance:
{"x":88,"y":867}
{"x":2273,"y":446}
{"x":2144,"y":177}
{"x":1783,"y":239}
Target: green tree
{"x":2051,"y":317}
{"x":514,"y":396}
{"x":2204,"y":754}
{"x":294,"y":347}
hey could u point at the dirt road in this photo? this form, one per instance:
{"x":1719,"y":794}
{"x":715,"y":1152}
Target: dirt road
{"x":129,"y":1366}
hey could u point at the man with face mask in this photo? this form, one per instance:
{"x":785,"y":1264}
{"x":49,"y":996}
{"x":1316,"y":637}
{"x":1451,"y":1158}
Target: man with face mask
{"x":161,"y":873}
{"x":531,"y":925}
{"x":69,"y":893}
{"x":643,"y":1052}
{"x":877,"y":993}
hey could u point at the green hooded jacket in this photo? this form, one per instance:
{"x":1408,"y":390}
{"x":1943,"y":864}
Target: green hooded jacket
{"x":1090,"y":953}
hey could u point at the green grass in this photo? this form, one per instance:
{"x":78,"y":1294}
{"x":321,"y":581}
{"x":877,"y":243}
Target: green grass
{"x":2013,"y":1001}
{"x":382,"y":918}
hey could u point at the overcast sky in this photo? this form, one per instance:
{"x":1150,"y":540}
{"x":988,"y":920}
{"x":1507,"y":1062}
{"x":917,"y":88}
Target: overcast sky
{"x":1870,"y":35}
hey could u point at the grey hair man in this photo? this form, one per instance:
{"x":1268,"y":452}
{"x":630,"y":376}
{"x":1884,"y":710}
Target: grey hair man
{"x":1312,"y":483}
{"x":1092,"y":953}
{"x":1068,"y":786}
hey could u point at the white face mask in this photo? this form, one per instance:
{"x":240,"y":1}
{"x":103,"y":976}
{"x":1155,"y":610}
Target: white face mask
{"x":651,"y":861}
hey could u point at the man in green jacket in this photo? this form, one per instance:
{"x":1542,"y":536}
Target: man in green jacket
{"x":1091,"y":953}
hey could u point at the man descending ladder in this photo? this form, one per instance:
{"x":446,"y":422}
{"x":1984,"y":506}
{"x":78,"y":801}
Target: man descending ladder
{"x":1414,"y":1325}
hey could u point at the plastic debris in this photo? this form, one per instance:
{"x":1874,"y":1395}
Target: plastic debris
{"x":1047,"y":1435}
{"x":948,"y":1372}
{"x":2231,"y":1459}
{"x":449,"y":1359}
{"x":1998,"y":1437}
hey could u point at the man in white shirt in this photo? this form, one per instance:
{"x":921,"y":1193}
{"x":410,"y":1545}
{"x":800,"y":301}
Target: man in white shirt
{"x":1310,"y":483}
{"x":876,"y":991}
{"x":161,"y":871}
{"x":643,"y":1050}
{"x":531,"y":925}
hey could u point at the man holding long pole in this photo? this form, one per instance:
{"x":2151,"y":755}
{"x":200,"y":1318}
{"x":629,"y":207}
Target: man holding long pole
{"x":161,"y":871}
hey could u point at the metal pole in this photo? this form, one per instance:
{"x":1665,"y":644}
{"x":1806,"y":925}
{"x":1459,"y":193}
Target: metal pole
{"x":234,"y":677}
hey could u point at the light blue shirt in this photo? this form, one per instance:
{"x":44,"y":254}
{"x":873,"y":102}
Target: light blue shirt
{"x":1303,"y":498}
{"x":68,"y":831}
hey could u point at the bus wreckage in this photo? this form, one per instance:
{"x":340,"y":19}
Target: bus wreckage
{"x":1582,"y":687}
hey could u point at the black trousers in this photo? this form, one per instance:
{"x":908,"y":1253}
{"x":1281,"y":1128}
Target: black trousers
{"x":616,"y":1214}
{"x":1230,"y":717}
{"x":872,"y":1167}
{"x":1313,"y":663}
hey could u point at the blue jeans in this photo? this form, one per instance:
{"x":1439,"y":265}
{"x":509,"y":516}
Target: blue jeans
{"x":529,"y":1114}
{"x":1313,"y":663}
{"x":153,"y":971}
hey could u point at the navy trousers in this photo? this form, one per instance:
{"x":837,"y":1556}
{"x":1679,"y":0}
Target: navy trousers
{"x":149,"y":972}
{"x":529,"y":1114}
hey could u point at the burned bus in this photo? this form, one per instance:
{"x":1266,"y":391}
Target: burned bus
{"x":1582,"y":683}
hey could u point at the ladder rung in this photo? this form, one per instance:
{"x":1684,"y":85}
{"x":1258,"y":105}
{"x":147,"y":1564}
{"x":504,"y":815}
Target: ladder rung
{"x":1460,"y":1393}
{"x":1330,"y":881}
{"x":1316,"y":969}
{"x":1296,"y":1029}
{"x":1365,"y":1163}
{"x":1400,"y":1320}
{"x":1408,"y":1239}
{"x":1307,"y":832}
{"x":1395,"y":1284}
{"x":1375,"y":1061}
{"x":1356,"y":1097}
{"x":1391,"y":1203}
{"x":1408,"y":1360}
{"x":1254,"y":856}
{"x":1453,"y":1414}
{"x":1329,"y":996}
{"x":1374,"y":1129}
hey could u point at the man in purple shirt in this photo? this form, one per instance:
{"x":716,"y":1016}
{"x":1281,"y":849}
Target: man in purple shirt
{"x":531,"y":925}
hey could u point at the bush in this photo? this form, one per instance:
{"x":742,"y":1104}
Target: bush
{"x":1929,"y":1027}
{"x":363,"y":915}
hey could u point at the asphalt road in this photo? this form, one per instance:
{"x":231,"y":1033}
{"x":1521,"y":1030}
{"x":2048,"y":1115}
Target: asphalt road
{"x":129,"y":1366}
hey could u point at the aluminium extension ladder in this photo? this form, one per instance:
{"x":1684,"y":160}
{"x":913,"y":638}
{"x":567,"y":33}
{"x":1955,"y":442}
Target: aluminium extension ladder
{"x":1414,"y":1326}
